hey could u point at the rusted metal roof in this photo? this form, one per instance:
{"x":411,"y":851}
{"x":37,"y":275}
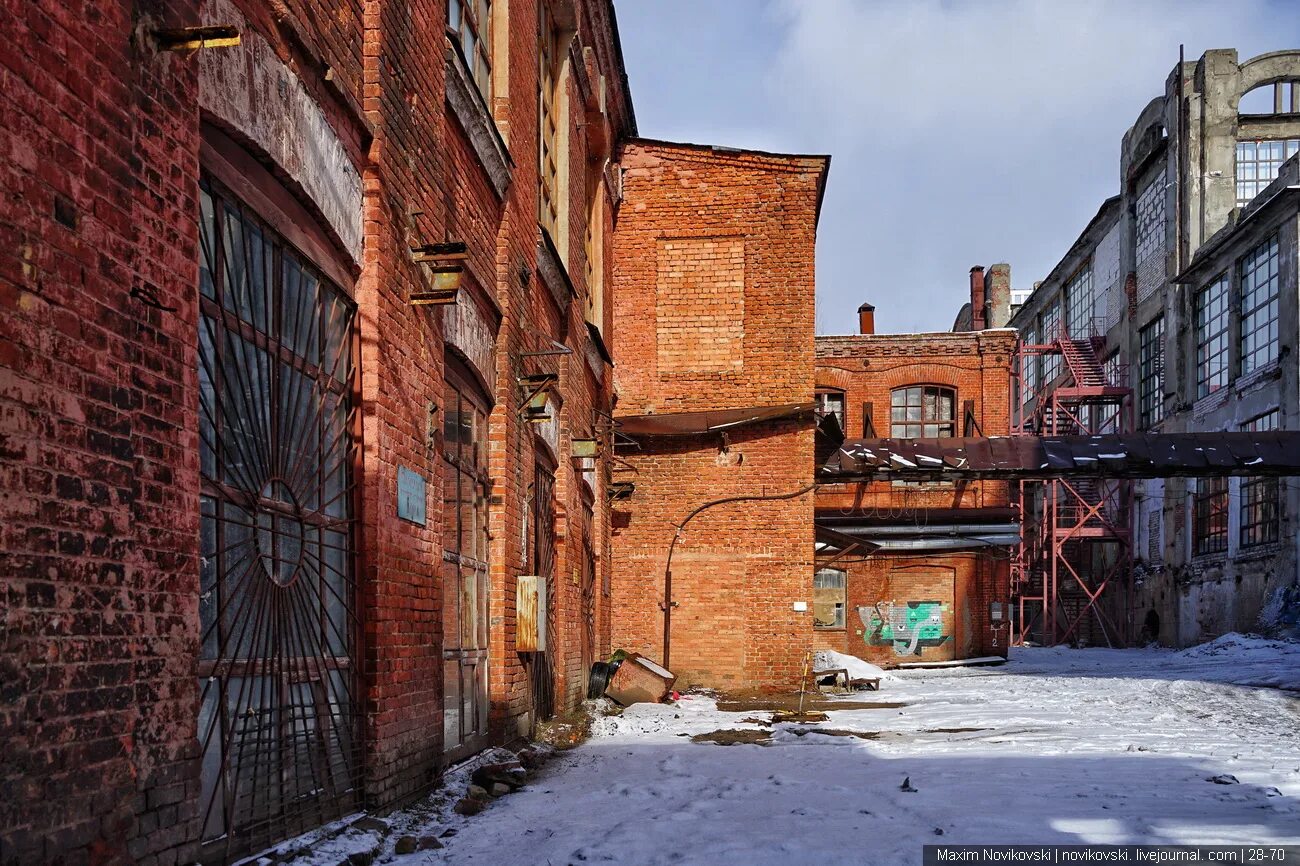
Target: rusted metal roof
{"x":694,"y":423}
{"x":1135,"y":455}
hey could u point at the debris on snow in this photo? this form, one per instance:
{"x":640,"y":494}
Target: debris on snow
{"x":857,"y":668}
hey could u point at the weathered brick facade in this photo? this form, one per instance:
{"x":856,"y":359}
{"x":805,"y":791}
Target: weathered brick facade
{"x":714,"y":310}
{"x":349,"y":133}
{"x":957,"y":586}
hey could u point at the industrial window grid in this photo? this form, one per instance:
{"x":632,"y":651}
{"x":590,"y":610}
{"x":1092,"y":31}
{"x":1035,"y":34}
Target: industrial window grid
{"x":1049,"y":325}
{"x":1212,"y":336}
{"x":1210,"y":523}
{"x":1259,"y":306}
{"x":1079,"y":303}
{"x":1029,"y":382}
{"x":1149,"y":213}
{"x":1151,"y":372}
{"x":1258,"y":163}
{"x":465,"y":575}
{"x":923,"y":411}
{"x":279,"y":710}
{"x":1110,"y":368}
{"x":470,"y":22}
{"x":1260,"y":497}
{"x":829,"y":598}
{"x":548,"y":144}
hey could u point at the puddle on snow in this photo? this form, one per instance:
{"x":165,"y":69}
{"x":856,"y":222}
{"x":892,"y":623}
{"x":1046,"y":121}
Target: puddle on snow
{"x":734,"y":737}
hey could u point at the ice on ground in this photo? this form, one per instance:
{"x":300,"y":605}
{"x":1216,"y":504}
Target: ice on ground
{"x":825,"y":660}
{"x":1057,"y":746}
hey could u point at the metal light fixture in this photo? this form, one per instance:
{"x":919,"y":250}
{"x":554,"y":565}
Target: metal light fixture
{"x":444,"y":261}
{"x":537,"y":396}
{"x":585,"y":447}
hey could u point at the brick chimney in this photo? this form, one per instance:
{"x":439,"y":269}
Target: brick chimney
{"x":997,"y":312}
{"x":977,"y":298}
{"x":866,"y":319}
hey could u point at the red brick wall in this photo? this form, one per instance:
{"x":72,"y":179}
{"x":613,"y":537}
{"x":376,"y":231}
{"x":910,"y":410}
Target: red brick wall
{"x":98,"y":437}
{"x":716,"y":279}
{"x":714,"y":264}
{"x":867,"y":368}
{"x":738,"y":568}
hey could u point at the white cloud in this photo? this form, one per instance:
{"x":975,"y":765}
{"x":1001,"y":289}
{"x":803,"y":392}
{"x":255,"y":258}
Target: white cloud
{"x":971,"y":132}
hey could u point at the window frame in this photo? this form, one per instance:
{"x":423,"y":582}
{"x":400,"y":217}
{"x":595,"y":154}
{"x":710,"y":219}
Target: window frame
{"x":1049,"y":328}
{"x":1211,"y":317}
{"x":1149,"y":220}
{"x":840,"y":622}
{"x":1079,"y":302}
{"x":1259,"y":271}
{"x":1262,"y":171}
{"x":1210,"y":516}
{"x":924,"y":390}
{"x":469,"y":23}
{"x":1151,"y":372}
{"x":548,"y":125}
{"x":1260,"y":505}
{"x":825,"y":397}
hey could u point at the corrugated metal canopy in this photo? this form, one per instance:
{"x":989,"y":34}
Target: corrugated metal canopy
{"x":1135,"y":455}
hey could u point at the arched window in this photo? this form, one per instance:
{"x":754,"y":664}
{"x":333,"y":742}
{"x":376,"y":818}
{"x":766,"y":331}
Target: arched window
{"x":923,"y":411}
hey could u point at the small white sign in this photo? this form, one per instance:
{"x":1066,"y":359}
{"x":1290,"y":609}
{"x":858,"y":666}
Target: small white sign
{"x":801,"y":606}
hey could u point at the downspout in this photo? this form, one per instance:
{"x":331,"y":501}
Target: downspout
{"x":668,"y":604}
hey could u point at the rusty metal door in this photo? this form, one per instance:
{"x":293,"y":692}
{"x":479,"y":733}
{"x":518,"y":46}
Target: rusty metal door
{"x":279,"y":704}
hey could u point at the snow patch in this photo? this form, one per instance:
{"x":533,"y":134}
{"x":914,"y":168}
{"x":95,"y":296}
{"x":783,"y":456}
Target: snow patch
{"x":858,"y":669}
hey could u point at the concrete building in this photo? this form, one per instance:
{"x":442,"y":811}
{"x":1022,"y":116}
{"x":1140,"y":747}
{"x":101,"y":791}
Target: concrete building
{"x":937,"y":561}
{"x":1131,"y":331}
{"x":302,"y":365}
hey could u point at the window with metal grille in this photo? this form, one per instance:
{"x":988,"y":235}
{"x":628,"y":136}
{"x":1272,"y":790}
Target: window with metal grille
{"x":279,"y":711}
{"x":1259,"y":306}
{"x":470,"y":23}
{"x":1212,"y":336}
{"x":1260,"y":497}
{"x":828,"y":598}
{"x":1258,"y":163}
{"x":548,"y":156}
{"x":1149,"y":214}
{"x":922,"y":411}
{"x":465,"y":583}
{"x":1210,"y":524}
{"x":1151,"y":372}
{"x":1049,"y":325}
{"x":1079,"y":303}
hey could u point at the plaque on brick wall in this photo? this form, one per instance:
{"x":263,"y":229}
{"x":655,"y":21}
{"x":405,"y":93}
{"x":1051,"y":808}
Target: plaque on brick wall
{"x":410,"y":495}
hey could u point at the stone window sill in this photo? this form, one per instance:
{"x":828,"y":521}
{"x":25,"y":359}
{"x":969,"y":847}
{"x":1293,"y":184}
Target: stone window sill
{"x":474,"y":117}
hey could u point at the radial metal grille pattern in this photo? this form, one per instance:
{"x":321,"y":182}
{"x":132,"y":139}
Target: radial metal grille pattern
{"x":279,"y":707}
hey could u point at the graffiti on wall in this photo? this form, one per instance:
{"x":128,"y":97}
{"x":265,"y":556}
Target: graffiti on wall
{"x":908,"y":627}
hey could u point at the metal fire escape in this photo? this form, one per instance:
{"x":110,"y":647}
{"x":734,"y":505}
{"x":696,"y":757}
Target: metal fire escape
{"x":1072,"y":576}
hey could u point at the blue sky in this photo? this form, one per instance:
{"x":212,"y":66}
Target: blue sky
{"x":962,"y":133}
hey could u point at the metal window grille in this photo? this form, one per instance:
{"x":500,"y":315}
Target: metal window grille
{"x":1210,"y":529}
{"x":923,"y":411}
{"x":1149,"y":212}
{"x":1151,"y":369}
{"x":1259,"y":306}
{"x":829,"y":598}
{"x":1212,"y":336}
{"x":1260,"y":497}
{"x":470,"y":22}
{"x":1258,"y":163}
{"x":279,"y":711}
{"x":1079,"y":304}
{"x":1030,"y":367}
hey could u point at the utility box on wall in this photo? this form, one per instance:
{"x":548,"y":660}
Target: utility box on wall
{"x":530,"y":613}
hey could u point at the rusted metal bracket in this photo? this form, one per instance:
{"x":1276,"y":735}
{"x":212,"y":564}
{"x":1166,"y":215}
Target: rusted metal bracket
{"x":445,"y":265}
{"x":535,"y":387}
{"x":194,"y":38}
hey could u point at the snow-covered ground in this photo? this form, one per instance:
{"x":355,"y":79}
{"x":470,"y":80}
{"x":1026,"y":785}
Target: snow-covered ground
{"x":1059,"y":745}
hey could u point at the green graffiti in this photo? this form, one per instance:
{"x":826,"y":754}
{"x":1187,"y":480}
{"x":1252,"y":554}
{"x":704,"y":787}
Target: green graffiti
{"x":909,"y":627}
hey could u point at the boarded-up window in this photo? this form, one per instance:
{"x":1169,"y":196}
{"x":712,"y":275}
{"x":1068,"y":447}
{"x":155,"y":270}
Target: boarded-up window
{"x":700,"y":308}
{"x":828,"y":598}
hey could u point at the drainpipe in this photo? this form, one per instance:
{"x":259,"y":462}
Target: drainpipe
{"x":668,"y":604}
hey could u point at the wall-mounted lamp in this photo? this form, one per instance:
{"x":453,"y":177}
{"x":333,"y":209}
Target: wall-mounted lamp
{"x":585,"y":448}
{"x":537,"y":396}
{"x":620,"y":490}
{"x":444,"y":261}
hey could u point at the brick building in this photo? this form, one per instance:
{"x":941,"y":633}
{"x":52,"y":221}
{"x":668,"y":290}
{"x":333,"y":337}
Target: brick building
{"x":265,"y":504}
{"x":714,"y":314}
{"x":938,"y":555}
